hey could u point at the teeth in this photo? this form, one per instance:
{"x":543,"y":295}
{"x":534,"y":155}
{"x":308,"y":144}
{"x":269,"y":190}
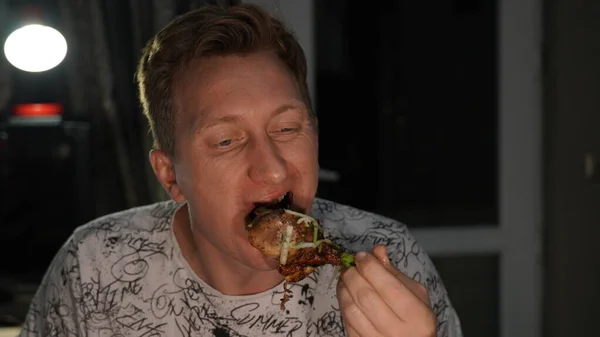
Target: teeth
{"x":273,"y":203}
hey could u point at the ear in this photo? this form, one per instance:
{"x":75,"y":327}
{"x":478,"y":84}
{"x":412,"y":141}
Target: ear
{"x":164,"y":170}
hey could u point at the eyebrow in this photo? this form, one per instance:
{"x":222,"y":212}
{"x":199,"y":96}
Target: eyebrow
{"x":236,"y":118}
{"x":285,"y":108}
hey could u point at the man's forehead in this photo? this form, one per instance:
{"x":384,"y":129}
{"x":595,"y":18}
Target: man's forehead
{"x":207,"y":70}
{"x":215,"y":87}
{"x":206,"y":117}
{"x":219,"y":78}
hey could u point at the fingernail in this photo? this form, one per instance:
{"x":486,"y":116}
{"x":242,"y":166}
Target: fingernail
{"x":360,"y":256}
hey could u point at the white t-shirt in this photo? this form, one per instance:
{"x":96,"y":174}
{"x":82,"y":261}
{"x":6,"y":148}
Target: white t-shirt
{"x":124,"y":275}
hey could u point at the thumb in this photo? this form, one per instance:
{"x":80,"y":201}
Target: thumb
{"x":416,"y":288}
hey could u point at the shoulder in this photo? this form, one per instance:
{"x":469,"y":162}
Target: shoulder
{"x":359,"y":229}
{"x":104,"y":240}
{"x":88,"y":259}
{"x":153,"y":217}
{"x":135,"y":226}
{"x":356,"y":229}
{"x":150,"y":219}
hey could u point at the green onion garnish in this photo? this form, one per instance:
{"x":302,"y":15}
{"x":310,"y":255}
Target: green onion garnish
{"x":348,"y":260}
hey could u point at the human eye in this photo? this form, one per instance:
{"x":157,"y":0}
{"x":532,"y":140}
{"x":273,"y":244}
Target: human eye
{"x":224,"y":143}
{"x":288,"y":129}
{"x":285,"y":132}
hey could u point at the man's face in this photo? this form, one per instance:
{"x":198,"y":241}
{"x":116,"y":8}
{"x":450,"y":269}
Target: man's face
{"x":244,"y":136}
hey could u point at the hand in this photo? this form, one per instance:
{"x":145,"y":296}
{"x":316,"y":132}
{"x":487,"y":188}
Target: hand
{"x":376,"y":299}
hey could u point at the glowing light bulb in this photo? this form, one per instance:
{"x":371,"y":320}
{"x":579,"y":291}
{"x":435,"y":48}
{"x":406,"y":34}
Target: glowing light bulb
{"x":35,"y":48}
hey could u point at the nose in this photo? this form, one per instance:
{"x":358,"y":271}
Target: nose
{"x":267,"y":164}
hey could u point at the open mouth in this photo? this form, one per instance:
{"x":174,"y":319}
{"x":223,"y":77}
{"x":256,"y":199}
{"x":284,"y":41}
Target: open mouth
{"x":283,"y":202}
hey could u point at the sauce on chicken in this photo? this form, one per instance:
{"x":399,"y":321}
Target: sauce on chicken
{"x":297,"y":240}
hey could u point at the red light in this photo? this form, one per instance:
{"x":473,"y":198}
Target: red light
{"x":38,"y":110}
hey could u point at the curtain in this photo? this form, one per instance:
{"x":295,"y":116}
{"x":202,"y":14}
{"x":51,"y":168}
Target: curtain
{"x":105,"y":39}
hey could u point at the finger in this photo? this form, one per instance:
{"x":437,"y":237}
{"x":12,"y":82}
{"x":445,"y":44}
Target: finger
{"x":415,"y":287}
{"x":370,"y":303}
{"x":350,"y":332}
{"x":394,"y":292}
{"x":355,"y":321}
{"x":380,"y":253}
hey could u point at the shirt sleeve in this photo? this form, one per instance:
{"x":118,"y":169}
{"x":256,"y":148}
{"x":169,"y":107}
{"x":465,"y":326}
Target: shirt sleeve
{"x":410,"y":258}
{"x":55,"y":309}
{"x":451,"y":327}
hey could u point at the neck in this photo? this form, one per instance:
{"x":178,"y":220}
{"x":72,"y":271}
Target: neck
{"x":219,"y":270}
{"x":235,"y":280}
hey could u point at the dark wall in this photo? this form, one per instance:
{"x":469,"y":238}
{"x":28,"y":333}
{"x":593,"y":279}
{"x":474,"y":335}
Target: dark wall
{"x":572,"y":98}
{"x":406,"y":98}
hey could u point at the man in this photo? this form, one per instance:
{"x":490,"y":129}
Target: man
{"x":226,"y":97}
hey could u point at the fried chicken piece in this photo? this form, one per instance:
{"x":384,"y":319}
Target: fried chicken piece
{"x":266,"y":231}
{"x":297,"y":240}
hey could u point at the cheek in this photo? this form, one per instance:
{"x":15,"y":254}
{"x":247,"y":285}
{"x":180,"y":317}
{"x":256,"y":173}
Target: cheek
{"x":216,"y":178}
{"x":303,"y":155}
{"x":214,"y":195}
{"x":220,"y":188}
{"x":203,"y":179}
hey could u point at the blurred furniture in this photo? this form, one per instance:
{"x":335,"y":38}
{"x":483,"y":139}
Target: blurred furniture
{"x":9,"y":332}
{"x":44,"y":189}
